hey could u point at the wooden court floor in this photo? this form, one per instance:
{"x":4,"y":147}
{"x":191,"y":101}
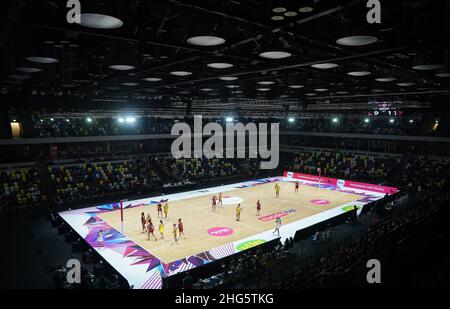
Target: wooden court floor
{"x":198,"y":218}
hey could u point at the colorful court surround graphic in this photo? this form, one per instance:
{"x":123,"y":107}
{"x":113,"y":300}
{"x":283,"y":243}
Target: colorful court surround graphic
{"x":276,"y":215}
{"x":220,"y":231}
{"x":320,"y":202}
{"x":340,"y":184}
{"x":350,"y":208}
{"x":250,"y":244}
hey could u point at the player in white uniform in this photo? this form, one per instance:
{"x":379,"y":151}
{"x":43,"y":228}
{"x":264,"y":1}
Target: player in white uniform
{"x":277,"y":226}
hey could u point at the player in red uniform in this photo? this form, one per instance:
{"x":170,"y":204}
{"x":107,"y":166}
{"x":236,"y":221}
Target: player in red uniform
{"x":258,"y":208}
{"x":181,"y":228}
{"x":150,"y":230}
{"x":214,"y":203}
{"x":160,"y":210}
{"x":143,"y":222}
{"x":297,"y":186}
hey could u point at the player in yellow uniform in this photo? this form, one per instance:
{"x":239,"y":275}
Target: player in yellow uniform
{"x":238,"y":212}
{"x":175,"y":232}
{"x":166,"y":209}
{"x":277,"y":190}
{"x":161,"y":229}
{"x":220,"y":199}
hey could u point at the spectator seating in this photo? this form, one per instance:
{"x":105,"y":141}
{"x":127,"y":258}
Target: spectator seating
{"x":20,"y":188}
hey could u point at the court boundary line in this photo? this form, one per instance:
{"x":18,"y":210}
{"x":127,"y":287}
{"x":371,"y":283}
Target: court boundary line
{"x":258,"y":231}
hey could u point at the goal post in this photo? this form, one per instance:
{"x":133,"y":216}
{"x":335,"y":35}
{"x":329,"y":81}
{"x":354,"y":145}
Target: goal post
{"x":121,"y":214}
{"x":319,"y":170}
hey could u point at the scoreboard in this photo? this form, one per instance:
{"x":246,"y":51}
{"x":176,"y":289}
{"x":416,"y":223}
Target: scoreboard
{"x":394,"y":113}
{"x":385,"y":108}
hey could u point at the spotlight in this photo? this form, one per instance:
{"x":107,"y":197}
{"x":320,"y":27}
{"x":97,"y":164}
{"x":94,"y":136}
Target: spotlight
{"x":290,"y":14}
{"x":229,"y":119}
{"x":181,"y":73}
{"x":306,"y":9}
{"x":391,"y":120}
{"x":89,"y":119}
{"x":100,"y":21}
{"x":335,"y":120}
{"x":411,"y":121}
{"x":291,"y":119}
{"x":228,"y":78}
{"x":130,"y":119}
{"x":367,"y":120}
{"x":275,"y":55}
{"x":279,"y":10}
{"x":121,"y":120}
{"x":51,"y":119}
{"x":324,"y":66}
{"x":67,"y":120}
{"x":357,"y":40}
{"x":220,"y":65}
{"x":205,"y":40}
{"x":277,"y":18}
{"x":359,"y":73}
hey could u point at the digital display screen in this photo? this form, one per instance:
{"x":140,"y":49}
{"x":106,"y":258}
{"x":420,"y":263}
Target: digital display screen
{"x":395,"y":113}
{"x":385,"y":108}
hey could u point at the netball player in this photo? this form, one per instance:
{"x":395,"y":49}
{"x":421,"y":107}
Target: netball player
{"x":214,"y":203}
{"x":143,"y":222}
{"x":100,"y":240}
{"x":277,"y":226}
{"x":181,"y":228}
{"x":161,"y":229}
{"x":258,"y":208}
{"x":277,"y":190}
{"x":166,"y":209}
{"x":150,"y":230}
{"x":297,"y":186}
{"x":160,"y":210}
{"x":220,"y":199}
{"x":238,"y":212}
{"x":174,"y":232}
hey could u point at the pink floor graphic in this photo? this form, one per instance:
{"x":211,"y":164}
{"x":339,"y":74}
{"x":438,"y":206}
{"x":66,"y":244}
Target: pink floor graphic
{"x":320,"y":202}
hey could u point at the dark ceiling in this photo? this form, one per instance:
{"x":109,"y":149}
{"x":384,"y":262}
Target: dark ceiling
{"x":154,"y":34}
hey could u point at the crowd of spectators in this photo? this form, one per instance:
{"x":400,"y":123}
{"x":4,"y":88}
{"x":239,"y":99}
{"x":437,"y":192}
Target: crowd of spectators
{"x":415,"y":125}
{"x":427,"y":184}
{"x":188,"y":171}
{"x":252,"y":265}
{"x":342,"y":165}
{"x":49,"y":125}
{"x":140,"y":174}
{"x":98,"y":279}
{"x":20,"y":188}
{"x":87,"y":180}
{"x":63,"y":124}
{"x":381,"y":237}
